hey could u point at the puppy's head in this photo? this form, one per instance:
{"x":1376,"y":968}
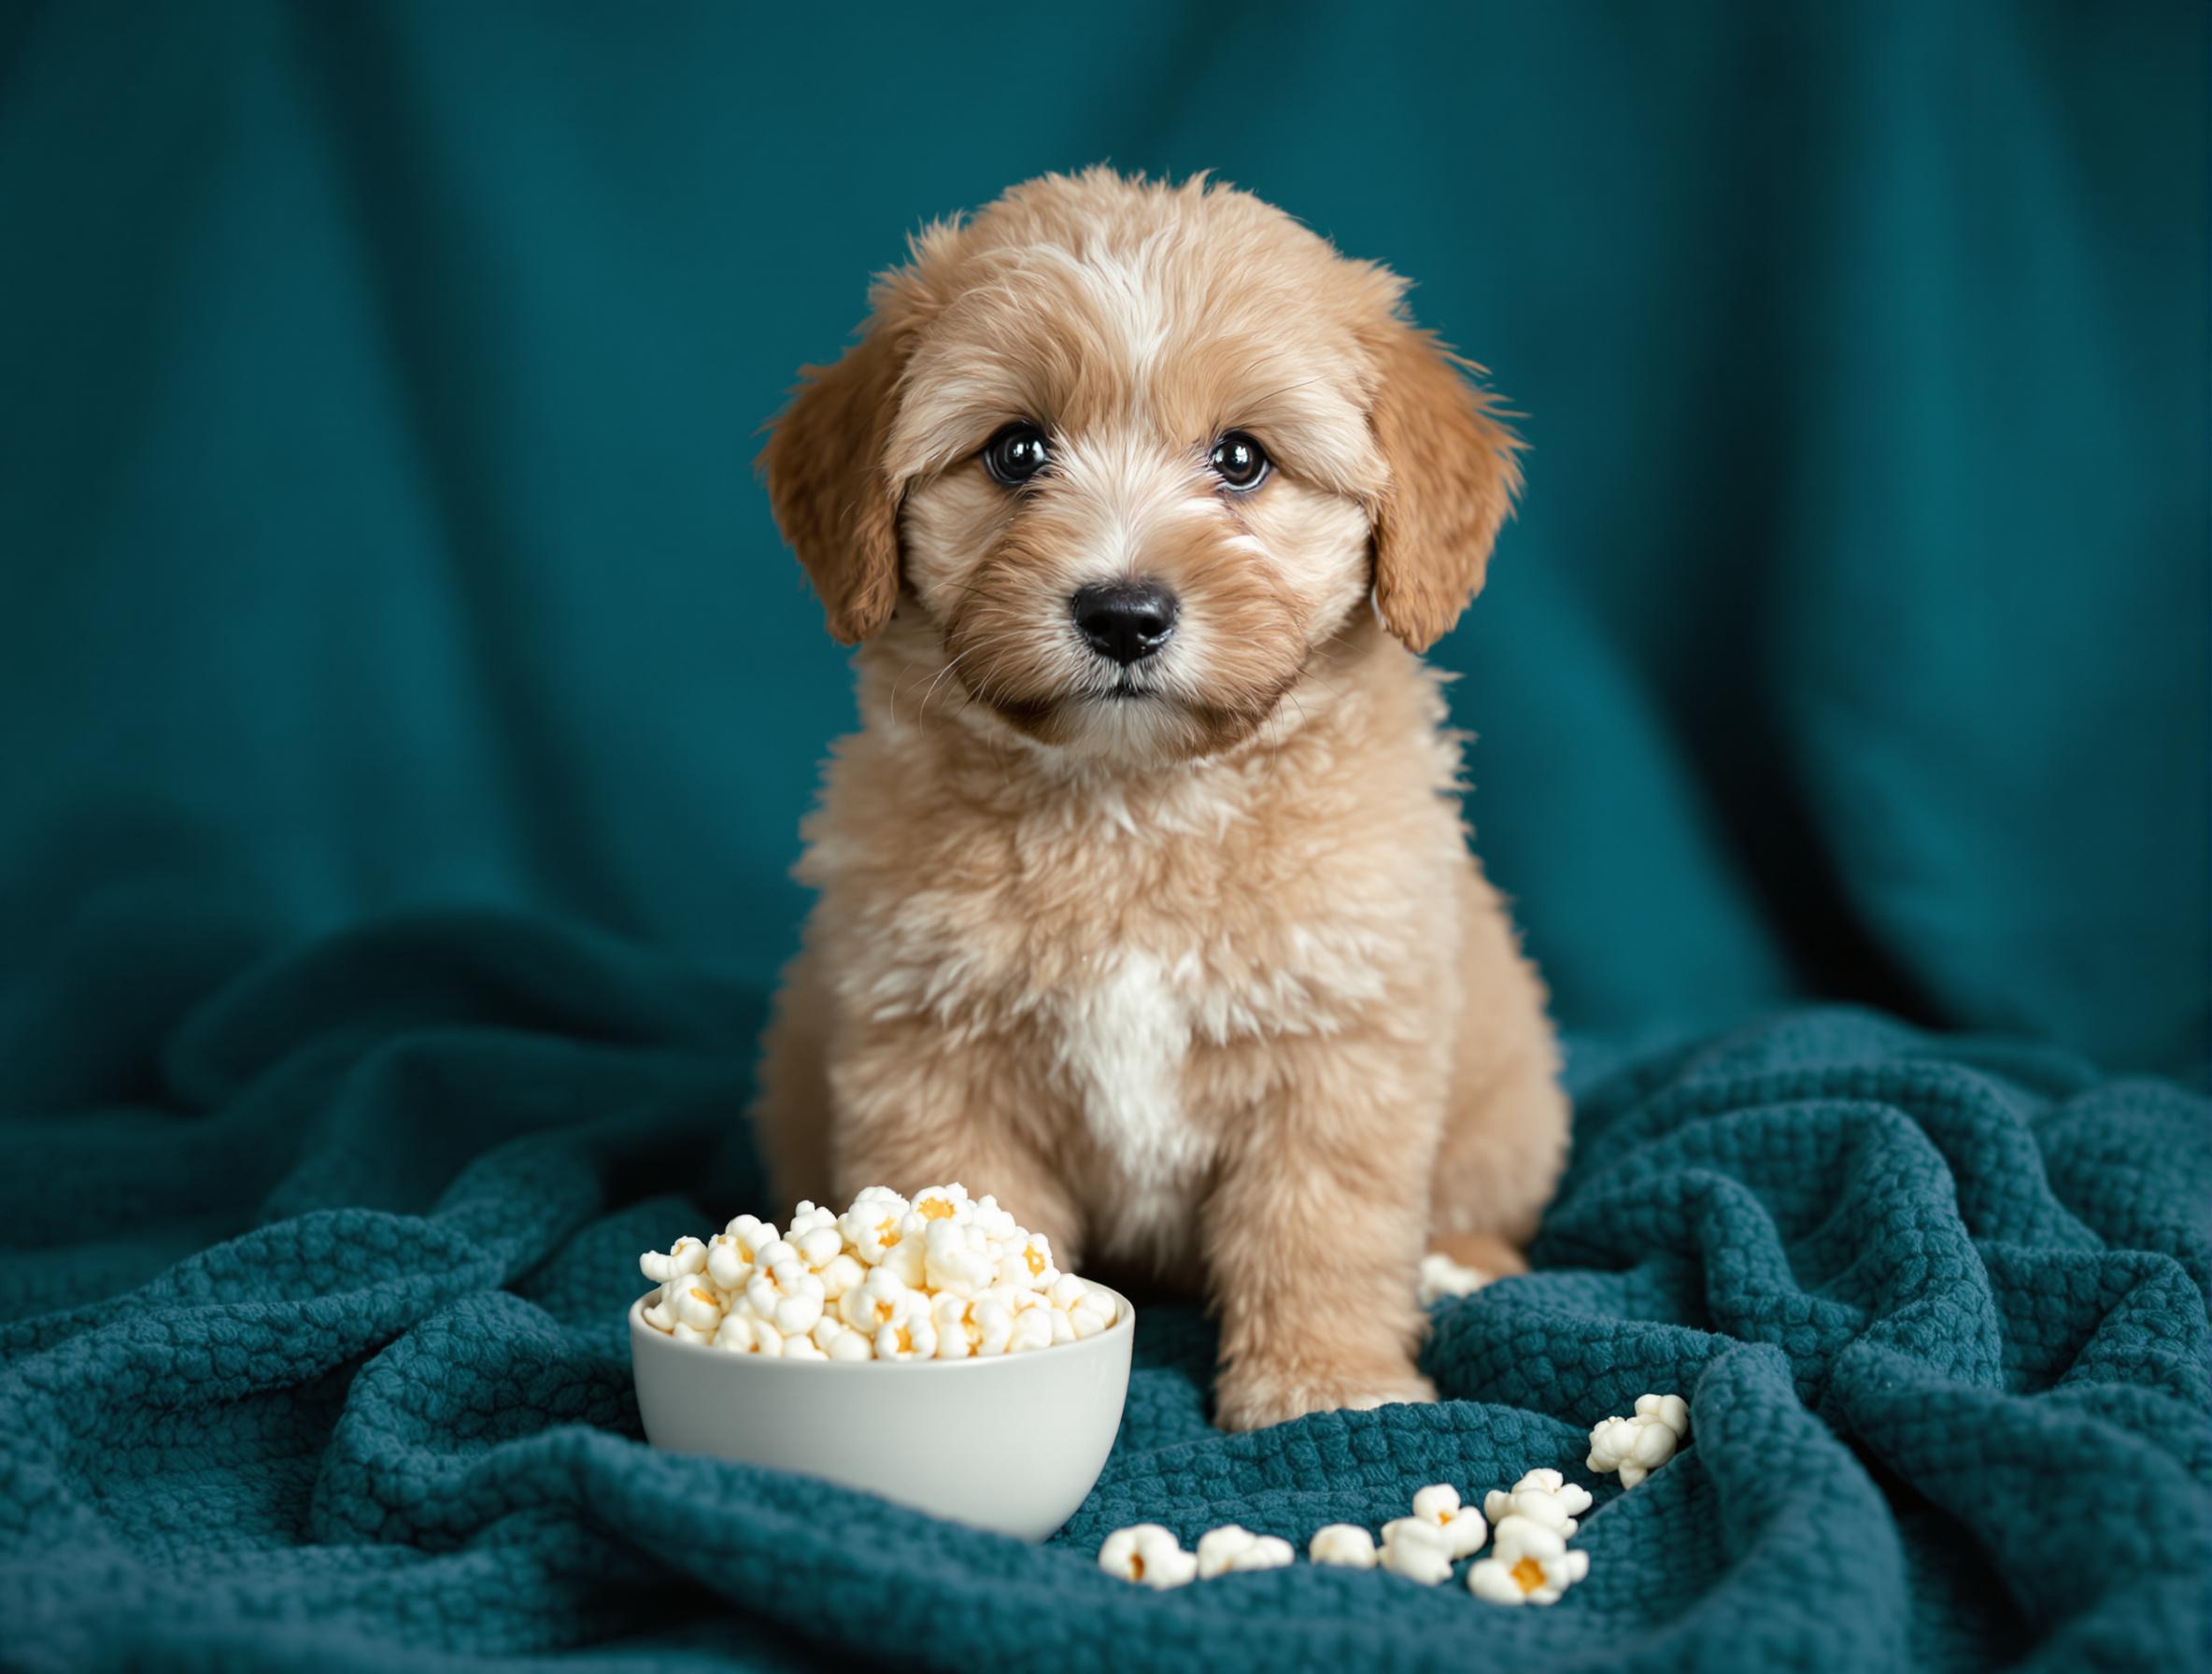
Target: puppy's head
{"x":1121,"y":458}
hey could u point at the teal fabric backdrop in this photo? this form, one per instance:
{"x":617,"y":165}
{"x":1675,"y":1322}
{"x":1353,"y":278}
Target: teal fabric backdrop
{"x":378,"y":387}
{"x":406,"y":708}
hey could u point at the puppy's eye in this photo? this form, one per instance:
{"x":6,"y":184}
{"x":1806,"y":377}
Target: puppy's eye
{"x":1239,"y":460}
{"x":1017,"y":454}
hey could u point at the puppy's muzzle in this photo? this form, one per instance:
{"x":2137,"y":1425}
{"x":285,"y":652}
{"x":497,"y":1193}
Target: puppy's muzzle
{"x":1125,"y":622}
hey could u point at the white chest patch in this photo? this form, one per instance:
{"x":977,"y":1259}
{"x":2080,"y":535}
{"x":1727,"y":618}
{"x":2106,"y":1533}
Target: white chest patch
{"x":1123,"y":1041}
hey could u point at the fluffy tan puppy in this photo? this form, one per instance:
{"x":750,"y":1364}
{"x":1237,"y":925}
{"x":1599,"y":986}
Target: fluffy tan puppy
{"x":1146,"y":900}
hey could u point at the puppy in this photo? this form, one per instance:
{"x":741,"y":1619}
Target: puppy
{"x":1144,"y":898}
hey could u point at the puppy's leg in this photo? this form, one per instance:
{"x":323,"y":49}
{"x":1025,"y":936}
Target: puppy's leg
{"x":914,"y":1108}
{"x":1505,"y":1131}
{"x":1314,"y":1233}
{"x":1503,"y":1150}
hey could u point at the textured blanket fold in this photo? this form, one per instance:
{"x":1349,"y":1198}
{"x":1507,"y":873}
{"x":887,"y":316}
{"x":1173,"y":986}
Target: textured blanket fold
{"x":312,"y":1357}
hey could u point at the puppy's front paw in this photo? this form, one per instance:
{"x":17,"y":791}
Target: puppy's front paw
{"x":1253,"y":1398}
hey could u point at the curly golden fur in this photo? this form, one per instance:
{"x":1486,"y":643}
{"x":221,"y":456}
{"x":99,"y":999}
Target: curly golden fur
{"x":1188,"y":962}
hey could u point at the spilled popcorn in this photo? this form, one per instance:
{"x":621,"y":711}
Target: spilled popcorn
{"x":1463,"y":1527}
{"x":1529,"y":1561}
{"x":1542,"y":1497}
{"x":1149,"y":1555}
{"x":1417,"y":1549}
{"x":1637,"y":1446}
{"x":1234,"y":1546}
{"x":1345,"y":1545}
{"x":935,"y":1277}
{"x":1530,"y":1564}
{"x":1440,"y":1277}
{"x":1527,"y":1525}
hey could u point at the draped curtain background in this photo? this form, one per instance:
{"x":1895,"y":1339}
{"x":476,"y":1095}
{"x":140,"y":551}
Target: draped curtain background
{"x":378,"y":386}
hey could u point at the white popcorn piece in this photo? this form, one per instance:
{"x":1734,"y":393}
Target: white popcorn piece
{"x":1529,"y":1565}
{"x":908,"y":1334}
{"x":1025,"y":1263}
{"x":1234,"y":1546}
{"x":990,"y":1318}
{"x":1149,"y":1555}
{"x":1037,"y":1328}
{"x":1417,"y":1549}
{"x":1034,"y":1323}
{"x":957,"y":1258}
{"x":1345,"y":1545}
{"x":1670,"y":1410}
{"x":908,"y":1260}
{"x":661,"y":1312}
{"x":840,"y":1274}
{"x":744,"y":1333}
{"x":815,"y":1234}
{"x":735,"y":1333}
{"x":733,"y":1251}
{"x":775,"y":1250}
{"x":1639,"y":1445}
{"x":1092,"y":1317}
{"x":1630,"y":1447}
{"x":686,"y":1256}
{"x":914,"y":1340}
{"x":1542,"y":1497}
{"x":839,"y":1342}
{"x":750,"y":1233}
{"x":969,"y":1326}
{"x":875,"y":1223}
{"x":1441,"y":1277}
{"x":1088,"y":1309}
{"x":952,"y":1317}
{"x":788,"y":1294}
{"x":698,"y":1308}
{"x":996,"y":1222}
{"x":802,"y":1348}
{"x":1464,"y":1528}
{"x":944,"y":1204}
{"x":727,"y":1270}
{"x":875,"y":1301}
{"x":1269,"y":1551}
{"x":684,"y":1333}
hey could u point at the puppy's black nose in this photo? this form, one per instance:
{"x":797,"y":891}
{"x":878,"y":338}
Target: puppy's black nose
{"x":1126,"y":620}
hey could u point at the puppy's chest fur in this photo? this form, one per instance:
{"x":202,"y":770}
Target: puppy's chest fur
{"x":1121,"y":1041}
{"x":1139,"y":958}
{"x":1130,"y":951}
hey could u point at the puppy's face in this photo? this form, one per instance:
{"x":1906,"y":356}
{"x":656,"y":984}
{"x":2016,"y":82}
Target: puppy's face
{"x":1121,"y":458}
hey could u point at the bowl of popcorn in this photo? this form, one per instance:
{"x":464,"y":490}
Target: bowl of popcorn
{"x":927,"y":1349}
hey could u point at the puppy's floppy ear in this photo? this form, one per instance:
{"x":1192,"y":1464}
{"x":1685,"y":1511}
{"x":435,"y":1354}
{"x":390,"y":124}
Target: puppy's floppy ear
{"x":826,"y":482}
{"x":1453,"y":478}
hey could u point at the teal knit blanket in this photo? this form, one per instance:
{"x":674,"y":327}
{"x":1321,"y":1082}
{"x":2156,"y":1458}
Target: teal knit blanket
{"x":313,"y":1359}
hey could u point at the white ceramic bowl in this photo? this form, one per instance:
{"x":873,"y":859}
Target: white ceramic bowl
{"x":1012,"y":1443}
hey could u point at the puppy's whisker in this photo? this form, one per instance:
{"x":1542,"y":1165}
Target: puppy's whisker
{"x":898,"y":684}
{"x":988,"y":643}
{"x":922,"y":716}
{"x":922,"y":719}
